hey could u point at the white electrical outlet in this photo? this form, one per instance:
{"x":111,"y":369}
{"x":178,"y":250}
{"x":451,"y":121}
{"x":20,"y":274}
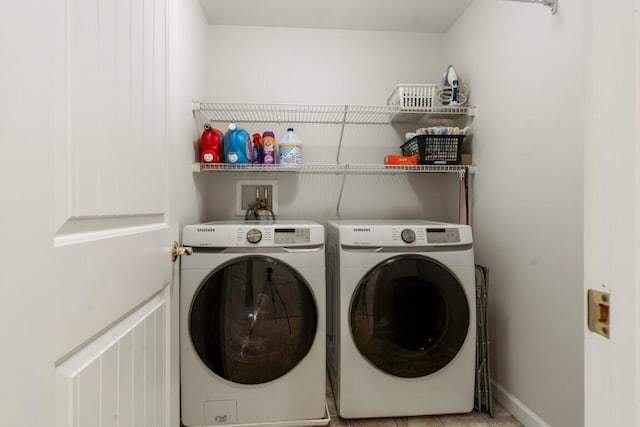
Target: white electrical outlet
{"x":246,"y":195}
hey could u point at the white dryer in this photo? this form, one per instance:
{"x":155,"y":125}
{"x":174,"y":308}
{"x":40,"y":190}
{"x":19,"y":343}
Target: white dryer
{"x":252,"y":324}
{"x":401,"y":324}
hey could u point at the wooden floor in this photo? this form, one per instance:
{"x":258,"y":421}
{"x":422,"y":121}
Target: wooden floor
{"x":501,"y":418}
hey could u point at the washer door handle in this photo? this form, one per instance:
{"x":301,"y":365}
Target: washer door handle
{"x":303,"y":249}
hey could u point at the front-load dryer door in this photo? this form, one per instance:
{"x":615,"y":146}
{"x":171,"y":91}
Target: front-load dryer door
{"x":409,"y":316}
{"x":253,"y":320}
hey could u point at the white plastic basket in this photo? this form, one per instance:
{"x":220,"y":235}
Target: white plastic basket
{"x":413,"y":96}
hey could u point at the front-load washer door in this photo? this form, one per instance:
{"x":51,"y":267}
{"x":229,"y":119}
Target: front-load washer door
{"x":409,"y":316}
{"x":253,"y":320}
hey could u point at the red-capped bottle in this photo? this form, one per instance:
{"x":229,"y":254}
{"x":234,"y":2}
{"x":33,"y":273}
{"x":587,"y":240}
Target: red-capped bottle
{"x":211,"y":145}
{"x":258,"y":149}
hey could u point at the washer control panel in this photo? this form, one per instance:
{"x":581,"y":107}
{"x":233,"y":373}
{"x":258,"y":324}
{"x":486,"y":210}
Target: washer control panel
{"x":227,"y":234}
{"x":272,"y":236}
{"x":291,"y":236}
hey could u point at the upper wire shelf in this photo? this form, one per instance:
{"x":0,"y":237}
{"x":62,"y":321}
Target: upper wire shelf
{"x":340,"y":169}
{"x":336,"y":114}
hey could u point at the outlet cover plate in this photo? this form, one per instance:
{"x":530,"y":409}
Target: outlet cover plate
{"x":273,"y":197}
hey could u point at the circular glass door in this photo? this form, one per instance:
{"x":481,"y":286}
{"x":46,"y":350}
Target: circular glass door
{"x":253,"y":320}
{"x":409,"y":316}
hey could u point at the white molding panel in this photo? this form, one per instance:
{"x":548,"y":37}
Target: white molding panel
{"x":121,"y":377}
{"x":114,"y":156}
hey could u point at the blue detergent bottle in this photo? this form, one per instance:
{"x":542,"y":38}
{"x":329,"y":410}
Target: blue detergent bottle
{"x":237,"y":146}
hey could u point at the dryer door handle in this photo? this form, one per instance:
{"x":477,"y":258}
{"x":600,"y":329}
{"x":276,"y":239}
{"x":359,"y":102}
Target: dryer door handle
{"x":362,"y":249}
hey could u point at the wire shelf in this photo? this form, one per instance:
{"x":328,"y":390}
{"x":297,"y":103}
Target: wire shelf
{"x":329,"y":114}
{"x":338,"y":169}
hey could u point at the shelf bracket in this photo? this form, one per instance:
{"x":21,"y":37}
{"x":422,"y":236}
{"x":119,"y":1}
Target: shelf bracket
{"x":552,"y":4}
{"x":344,"y":178}
{"x":344,"y":121}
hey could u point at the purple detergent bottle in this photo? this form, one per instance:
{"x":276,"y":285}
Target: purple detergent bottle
{"x":269,"y":148}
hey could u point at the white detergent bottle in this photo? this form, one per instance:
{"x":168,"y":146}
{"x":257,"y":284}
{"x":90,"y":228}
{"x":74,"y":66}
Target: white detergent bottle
{"x":290,"y":149}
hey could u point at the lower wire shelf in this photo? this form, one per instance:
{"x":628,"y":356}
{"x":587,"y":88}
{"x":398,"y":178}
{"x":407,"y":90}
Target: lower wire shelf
{"x":339,"y":169}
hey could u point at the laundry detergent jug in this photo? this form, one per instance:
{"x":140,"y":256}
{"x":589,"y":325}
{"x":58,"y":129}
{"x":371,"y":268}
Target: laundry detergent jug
{"x":211,"y":145}
{"x":290,"y":149}
{"x":237,"y":146}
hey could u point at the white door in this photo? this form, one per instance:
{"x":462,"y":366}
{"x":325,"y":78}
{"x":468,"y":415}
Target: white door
{"x":86,"y":276}
{"x":612,"y":212}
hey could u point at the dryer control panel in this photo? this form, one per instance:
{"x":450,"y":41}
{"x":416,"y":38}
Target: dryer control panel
{"x":443,"y":235}
{"x":403,"y":235}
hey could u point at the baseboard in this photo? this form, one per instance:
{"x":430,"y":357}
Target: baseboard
{"x":517,"y":408}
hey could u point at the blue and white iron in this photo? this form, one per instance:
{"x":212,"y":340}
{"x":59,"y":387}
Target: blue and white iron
{"x":450,"y":79}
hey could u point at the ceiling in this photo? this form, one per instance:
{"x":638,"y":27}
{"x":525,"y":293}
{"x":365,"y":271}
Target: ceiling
{"x":428,"y":16}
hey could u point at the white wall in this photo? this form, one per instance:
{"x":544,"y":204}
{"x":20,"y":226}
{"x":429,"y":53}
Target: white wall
{"x":188,"y":79}
{"x":187,"y":30}
{"x":526,"y":70}
{"x":307,"y":66}
{"x":313,"y":66}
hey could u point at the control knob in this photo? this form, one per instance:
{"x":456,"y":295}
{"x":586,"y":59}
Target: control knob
{"x":408,"y":235}
{"x":254,"y":235}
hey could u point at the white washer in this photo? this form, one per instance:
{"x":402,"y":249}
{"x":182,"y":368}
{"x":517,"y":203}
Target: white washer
{"x":401,"y":323}
{"x":252,"y":324}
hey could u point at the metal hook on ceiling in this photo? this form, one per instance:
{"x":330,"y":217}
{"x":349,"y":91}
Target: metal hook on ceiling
{"x":552,"y":4}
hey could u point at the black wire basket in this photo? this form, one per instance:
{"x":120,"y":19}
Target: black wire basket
{"x":434,"y":149}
